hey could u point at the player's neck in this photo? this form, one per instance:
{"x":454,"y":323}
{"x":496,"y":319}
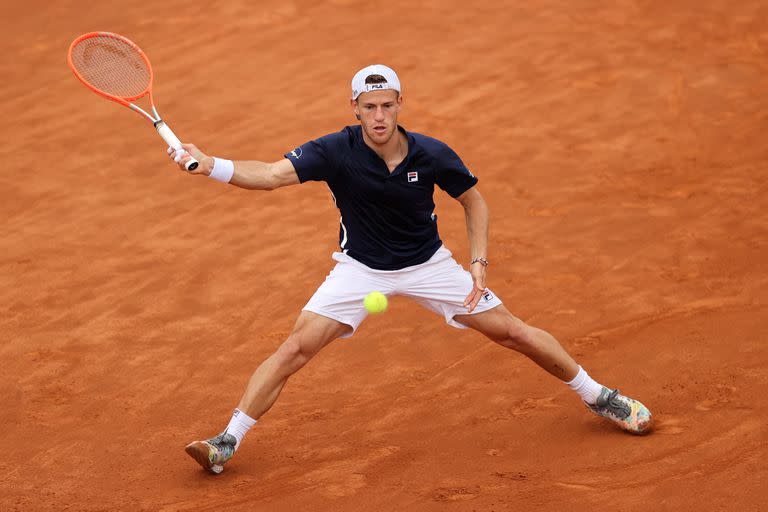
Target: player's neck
{"x":393,"y":151}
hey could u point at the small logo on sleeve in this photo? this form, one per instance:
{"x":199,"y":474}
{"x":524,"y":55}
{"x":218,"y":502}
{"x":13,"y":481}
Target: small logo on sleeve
{"x":413,"y":176}
{"x":296,"y":153}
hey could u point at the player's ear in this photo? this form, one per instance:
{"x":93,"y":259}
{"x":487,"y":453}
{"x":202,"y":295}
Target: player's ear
{"x":399,"y":101}
{"x":353,"y":104}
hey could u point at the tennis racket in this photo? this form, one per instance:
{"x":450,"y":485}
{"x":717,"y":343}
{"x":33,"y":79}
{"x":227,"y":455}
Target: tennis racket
{"x":115,"y":68}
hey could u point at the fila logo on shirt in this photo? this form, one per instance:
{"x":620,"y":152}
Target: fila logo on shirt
{"x":413,"y":176}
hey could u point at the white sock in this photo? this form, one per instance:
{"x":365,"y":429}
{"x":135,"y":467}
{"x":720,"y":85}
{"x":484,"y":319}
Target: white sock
{"x":585,"y":386}
{"x":239,"y":425}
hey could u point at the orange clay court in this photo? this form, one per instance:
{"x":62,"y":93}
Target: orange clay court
{"x":621,"y":149}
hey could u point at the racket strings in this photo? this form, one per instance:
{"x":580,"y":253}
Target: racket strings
{"x":112,"y":66}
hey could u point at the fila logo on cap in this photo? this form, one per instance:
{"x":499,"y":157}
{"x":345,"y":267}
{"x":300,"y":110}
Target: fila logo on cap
{"x":413,"y":176}
{"x":391,"y":81}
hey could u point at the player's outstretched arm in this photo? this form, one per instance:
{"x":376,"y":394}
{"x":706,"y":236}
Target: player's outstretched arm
{"x":248,"y":174}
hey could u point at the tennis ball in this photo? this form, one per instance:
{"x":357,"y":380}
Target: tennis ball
{"x":375,"y":302}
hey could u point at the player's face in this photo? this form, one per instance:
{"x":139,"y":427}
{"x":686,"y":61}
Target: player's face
{"x":378,"y":114}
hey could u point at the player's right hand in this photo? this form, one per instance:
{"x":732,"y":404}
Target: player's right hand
{"x":181,"y":158}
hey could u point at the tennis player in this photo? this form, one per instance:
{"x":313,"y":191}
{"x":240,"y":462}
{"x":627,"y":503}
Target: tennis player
{"x":382,"y":178}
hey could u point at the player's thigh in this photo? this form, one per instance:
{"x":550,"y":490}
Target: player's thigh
{"x":312,"y":332}
{"x":497,"y":324}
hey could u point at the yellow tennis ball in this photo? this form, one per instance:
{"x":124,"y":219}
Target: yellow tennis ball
{"x":375,"y":302}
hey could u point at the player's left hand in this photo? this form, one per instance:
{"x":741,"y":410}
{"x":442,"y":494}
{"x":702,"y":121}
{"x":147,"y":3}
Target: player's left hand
{"x":477,"y":270}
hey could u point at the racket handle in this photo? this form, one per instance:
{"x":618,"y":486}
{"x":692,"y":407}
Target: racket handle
{"x":173,"y":141}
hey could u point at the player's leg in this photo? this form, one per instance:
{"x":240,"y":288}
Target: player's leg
{"x":542,"y":348}
{"x":335,"y":310}
{"x":442,"y":284}
{"x":310,"y":334}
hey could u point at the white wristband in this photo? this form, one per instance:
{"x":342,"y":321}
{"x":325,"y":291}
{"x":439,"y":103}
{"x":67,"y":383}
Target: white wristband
{"x":223,"y":170}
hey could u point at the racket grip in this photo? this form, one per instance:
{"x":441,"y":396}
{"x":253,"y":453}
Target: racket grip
{"x":173,"y":141}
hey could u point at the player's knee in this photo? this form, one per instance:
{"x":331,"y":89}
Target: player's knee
{"x":290,"y":356}
{"x":516,"y":335}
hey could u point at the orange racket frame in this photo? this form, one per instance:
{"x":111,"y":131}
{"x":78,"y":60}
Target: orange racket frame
{"x":160,"y":125}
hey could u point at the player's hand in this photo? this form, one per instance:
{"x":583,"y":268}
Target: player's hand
{"x":182,"y":157}
{"x":477,"y":270}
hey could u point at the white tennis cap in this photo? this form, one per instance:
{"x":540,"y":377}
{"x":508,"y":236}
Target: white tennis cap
{"x":358,"y":81}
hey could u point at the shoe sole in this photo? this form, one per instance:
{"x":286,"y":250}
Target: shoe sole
{"x":199,"y":451}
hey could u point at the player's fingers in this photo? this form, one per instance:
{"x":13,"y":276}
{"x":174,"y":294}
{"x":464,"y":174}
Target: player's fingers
{"x":182,"y":158}
{"x":193,"y":151}
{"x":476,"y":301}
{"x":189,"y":148}
{"x":471,"y":297}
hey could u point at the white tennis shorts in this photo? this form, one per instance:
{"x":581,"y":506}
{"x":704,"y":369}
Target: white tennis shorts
{"x":439,"y":284}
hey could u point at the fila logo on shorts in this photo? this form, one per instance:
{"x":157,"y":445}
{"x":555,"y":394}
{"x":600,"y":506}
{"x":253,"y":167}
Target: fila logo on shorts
{"x":487,"y":296}
{"x":413,"y":176}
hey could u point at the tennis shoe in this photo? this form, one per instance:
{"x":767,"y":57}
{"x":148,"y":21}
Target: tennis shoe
{"x":627,"y":413}
{"x":213,"y":453}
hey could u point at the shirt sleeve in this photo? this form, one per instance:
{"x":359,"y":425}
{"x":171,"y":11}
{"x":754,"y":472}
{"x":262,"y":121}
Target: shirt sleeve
{"x":451,"y":174}
{"x":314,"y":161}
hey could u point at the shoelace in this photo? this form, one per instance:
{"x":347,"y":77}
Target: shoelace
{"x":220,"y":442}
{"x":616,"y":406}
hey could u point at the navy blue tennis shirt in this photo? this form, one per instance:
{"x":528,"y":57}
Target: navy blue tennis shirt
{"x":387,"y":219}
